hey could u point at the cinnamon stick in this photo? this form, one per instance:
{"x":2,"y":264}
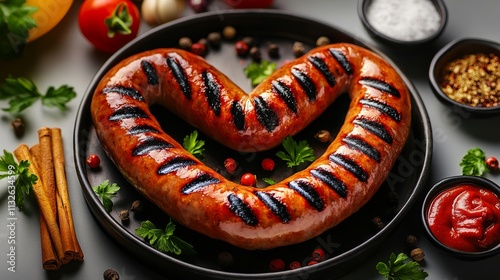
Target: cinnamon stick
{"x":50,"y":261}
{"x":22,"y":152}
{"x":72,"y":247}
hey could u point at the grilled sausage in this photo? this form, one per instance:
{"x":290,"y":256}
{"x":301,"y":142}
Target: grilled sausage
{"x":296,"y":209}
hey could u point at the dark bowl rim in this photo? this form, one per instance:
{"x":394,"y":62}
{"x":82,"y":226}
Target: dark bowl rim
{"x":441,"y":8}
{"x":448,"y":183}
{"x":442,"y":53}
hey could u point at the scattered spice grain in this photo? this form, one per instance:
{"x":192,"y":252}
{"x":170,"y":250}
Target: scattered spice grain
{"x":473,"y":79}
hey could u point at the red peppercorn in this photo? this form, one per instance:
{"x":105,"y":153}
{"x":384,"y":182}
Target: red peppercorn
{"x":248,"y":179}
{"x":230,"y":165}
{"x":199,"y":49}
{"x":312,"y":262}
{"x":492,"y":163}
{"x":318,"y":254}
{"x":268,"y":164}
{"x":277,"y":265}
{"x":294,"y":265}
{"x":241,"y":48}
{"x":93,"y":161}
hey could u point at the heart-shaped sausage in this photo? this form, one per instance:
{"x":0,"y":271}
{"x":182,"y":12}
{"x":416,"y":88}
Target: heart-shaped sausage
{"x":298,"y":208}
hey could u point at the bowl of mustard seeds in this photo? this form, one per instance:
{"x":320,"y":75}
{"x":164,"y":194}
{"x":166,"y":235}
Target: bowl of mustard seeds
{"x":466,"y":74}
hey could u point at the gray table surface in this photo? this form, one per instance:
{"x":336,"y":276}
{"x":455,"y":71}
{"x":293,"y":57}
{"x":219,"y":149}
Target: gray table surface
{"x":64,"y":57}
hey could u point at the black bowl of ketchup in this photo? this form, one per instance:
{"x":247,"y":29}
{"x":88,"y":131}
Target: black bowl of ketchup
{"x":461,"y":215}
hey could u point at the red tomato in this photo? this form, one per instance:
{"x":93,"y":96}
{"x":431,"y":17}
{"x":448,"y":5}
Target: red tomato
{"x":109,"y":24}
{"x":249,"y":4}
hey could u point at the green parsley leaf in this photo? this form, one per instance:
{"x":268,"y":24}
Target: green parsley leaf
{"x":106,"y":191}
{"x":258,"y":72}
{"x":17,"y":175}
{"x":22,"y":93}
{"x":397,"y":268}
{"x":474,"y":162}
{"x":164,"y":240}
{"x":296,"y":153}
{"x":269,"y":181}
{"x":15,"y":23}
{"x":193,"y":145}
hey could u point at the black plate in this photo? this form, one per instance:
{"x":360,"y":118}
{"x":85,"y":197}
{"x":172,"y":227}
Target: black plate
{"x":345,"y":245}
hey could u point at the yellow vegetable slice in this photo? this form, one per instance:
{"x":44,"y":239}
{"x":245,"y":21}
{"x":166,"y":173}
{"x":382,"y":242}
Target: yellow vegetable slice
{"x":48,"y":15}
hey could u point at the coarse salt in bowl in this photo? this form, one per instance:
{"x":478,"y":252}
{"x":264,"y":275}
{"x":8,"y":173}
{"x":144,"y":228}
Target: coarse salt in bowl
{"x":403,"y":22}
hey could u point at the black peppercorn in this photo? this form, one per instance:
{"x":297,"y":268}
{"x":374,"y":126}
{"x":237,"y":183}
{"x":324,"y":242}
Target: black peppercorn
{"x":298,"y":49}
{"x":225,"y":259}
{"x":248,"y":40}
{"x":111,"y":274}
{"x":273,"y":50}
{"x":323,"y":40}
{"x":213,"y":39}
{"x":377,"y":221}
{"x":255,"y":54}
{"x":411,"y":240}
{"x":18,"y":126}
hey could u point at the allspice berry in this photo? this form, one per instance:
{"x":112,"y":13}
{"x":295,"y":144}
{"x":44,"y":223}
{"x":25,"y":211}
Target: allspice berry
{"x":124,"y":215}
{"x":111,"y":274}
{"x":136,"y":206}
{"x":417,"y":254}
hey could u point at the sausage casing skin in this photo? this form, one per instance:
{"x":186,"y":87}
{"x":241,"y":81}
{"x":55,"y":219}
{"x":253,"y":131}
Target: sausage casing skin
{"x":291,"y":211}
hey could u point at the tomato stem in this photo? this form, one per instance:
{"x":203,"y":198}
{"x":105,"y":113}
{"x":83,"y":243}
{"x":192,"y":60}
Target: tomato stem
{"x":119,"y":21}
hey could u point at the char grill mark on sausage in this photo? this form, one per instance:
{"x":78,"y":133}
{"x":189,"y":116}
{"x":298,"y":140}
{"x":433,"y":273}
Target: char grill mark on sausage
{"x":174,"y":164}
{"x":374,"y":127}
{"x":198,"y":183}
{"x":383,"y":108}
{"x":320,"y":64}
{"x":278,"y":208}
{"x":306,"y":83}
{"x":359,"y":144}
{"x":380,"y":85}
{"x":212,"y":92}
{"x":126,"y":91}
{"x":150,"y":72}
{"x":242,"y":210}
{"x":308,"y":192}
{"x":150,"y":144}
{"x":140,"y":129}
{"x":265,"y":115}
{"x":128,"y":112}
{"x":285,"y":93}
{"x":342,"y":60}
{"x":179,"y":76}
{"x":331,"y":181}
{"x":350,"y":165}
{"x":238,"y":115}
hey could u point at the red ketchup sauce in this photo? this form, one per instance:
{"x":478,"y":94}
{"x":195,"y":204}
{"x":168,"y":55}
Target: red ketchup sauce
{"x":466,"y":218}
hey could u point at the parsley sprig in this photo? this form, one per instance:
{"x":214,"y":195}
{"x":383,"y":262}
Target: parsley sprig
{"x":15,"y":23}
{"x":22,"y":93}
{"x":296,"y":153}
{"x":474,"y":162}
{"x":398,"y":268}
{"x":18,"y":175}
{"x":106,"y":191}
{"x":257,"y":72}
{"x":193,"y":145}
{"x":164,"y":240}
